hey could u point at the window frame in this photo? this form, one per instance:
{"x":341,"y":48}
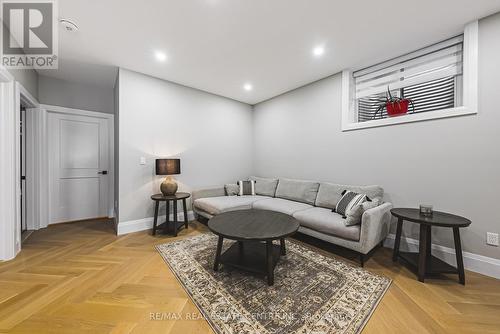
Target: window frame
{"x":469,"y":92}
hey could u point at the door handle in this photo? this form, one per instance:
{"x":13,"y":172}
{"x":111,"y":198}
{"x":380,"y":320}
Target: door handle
{"x":104,"y":172}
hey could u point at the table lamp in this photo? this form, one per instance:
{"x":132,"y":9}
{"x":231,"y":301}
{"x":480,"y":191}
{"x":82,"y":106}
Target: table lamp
{"x":168,"y":167}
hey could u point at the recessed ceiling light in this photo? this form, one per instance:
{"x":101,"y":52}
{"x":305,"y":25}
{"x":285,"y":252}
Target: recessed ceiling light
{"x":319,"y":50}
{"x":248,"y":87}
{"x":160,"y":56}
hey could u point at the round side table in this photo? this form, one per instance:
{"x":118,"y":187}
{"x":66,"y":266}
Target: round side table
{"x":176,"y":225}
{"x":423,"y":261}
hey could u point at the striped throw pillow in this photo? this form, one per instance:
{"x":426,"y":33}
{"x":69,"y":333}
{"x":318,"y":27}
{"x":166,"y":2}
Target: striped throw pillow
{"x":349,"y":201}
{"x":246,"y":188}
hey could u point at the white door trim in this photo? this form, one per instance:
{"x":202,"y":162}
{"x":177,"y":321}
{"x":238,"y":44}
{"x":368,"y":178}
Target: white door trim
{"x":37,"y":168}
{"x":80,"y":112}
{"x":24,"y":97}
{"x":5,"y":75}
{"x":111,"y":143}
{"x":9,"y":242}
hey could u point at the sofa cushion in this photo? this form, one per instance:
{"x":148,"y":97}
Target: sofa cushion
{"x":217,"y":205}
{"x":232,"y":189}
{"x":297,"y":190}
{"x":265,"y":186}
{"x":356,"y":213}
{"x":281,"y":205}
{"x":329,"y":194}
{"x":328,"y":222}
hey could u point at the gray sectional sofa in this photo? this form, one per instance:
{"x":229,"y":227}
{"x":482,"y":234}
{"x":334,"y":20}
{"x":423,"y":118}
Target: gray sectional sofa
{"x":311,"y":203}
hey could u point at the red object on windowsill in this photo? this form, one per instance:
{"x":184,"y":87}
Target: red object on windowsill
{"x":397,"y":108}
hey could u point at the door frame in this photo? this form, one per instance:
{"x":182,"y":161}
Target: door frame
{"x":12,"y":93}
{"x":23,"y":97}
{"x":111,"y":143}
{"x":10,"y":243}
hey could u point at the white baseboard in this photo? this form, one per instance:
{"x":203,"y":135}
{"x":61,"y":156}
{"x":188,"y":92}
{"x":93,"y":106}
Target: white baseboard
{"x":477,"y":263}
{"x":147,"y":223}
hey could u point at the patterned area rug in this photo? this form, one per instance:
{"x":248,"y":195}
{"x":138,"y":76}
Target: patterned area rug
{"x":312,"y":293}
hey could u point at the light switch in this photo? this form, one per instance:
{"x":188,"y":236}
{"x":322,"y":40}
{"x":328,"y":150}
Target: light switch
{"x":143,"y":161}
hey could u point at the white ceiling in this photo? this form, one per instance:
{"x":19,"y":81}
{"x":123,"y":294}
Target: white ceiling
{"x":219,"y":45}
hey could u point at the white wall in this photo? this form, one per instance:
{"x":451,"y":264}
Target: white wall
{"x":211,"y":135}
{"x":453,"y":164}
{"x":75,"y":95}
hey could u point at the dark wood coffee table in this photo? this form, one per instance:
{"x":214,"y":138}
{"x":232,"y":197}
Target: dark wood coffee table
{"x":255,"y":231}
{"x":423,"y":261}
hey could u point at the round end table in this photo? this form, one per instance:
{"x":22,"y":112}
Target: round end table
{"x":176,"y":225}
{"x":423,"y":261}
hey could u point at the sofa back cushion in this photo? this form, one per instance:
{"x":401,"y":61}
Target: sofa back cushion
{"x":329,"y":194}
{"x":232,"y":189}
{"x":297,"y":190}
{"x":265,"y":186}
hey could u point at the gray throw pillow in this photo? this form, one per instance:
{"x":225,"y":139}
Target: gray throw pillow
{"x":265,"y":186}
{"x":232,"y":189}
{"x":356,"y":213}
{"x":246,"y":188}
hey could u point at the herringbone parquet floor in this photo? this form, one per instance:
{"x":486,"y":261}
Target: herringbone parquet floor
{"x":81,"y":278}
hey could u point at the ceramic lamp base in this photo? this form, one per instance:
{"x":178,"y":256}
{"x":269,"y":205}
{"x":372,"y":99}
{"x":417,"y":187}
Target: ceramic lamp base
{"x":168,"y":187}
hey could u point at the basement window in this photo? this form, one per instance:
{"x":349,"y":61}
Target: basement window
{"x":439,"y":81}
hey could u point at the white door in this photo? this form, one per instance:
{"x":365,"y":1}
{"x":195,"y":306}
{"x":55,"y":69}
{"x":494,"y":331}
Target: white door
{"x":78,"y":167}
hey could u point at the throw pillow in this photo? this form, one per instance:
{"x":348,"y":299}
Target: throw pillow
{"x":355,"y":215}
{"x":232,"y":189}
{"x":264,"y":186}
{"x":246,"y":188}
{"x":348,"y":201}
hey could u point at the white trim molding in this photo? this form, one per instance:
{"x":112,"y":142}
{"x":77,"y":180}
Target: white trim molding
{"x":470,"y":91}
{"x":79,"y":112}
{"x":9,"y":242}
{"x":5,"y":75}
{"x":474,"y":262}
{"x":143,"y":224}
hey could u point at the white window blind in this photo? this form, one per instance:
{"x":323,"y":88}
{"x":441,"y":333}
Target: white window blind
{"x":431,"y":77}
{"x":435,"y":62}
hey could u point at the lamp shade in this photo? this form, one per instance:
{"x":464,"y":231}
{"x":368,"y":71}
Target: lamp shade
{"x":168,"y":166}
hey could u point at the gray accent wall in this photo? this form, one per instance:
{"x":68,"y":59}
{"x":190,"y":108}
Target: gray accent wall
{"x":212,"y":136}
{"x":451,"y":163}
{"x":75,"y":95}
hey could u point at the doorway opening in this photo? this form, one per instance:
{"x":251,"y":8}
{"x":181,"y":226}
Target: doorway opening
{"x":23,"y":198}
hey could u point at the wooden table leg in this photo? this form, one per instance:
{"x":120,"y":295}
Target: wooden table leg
{"x":155,"y":221}
{"x":458,"y":253}
{"x":175,"y":218}
{"x":167,"y":212}
{"x":185,"y":213}
{"x":283,"y":248}
{"x":397,"y":240}
{"x":270,"y":269}
{"x":422,"y":255}
{"x":217,"y":254}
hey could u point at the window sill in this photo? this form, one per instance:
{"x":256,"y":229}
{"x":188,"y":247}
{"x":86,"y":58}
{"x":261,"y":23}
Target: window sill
{"x":445,"y":113}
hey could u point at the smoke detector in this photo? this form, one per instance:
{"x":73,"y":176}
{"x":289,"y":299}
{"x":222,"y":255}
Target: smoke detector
{"x":69,"y":25}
